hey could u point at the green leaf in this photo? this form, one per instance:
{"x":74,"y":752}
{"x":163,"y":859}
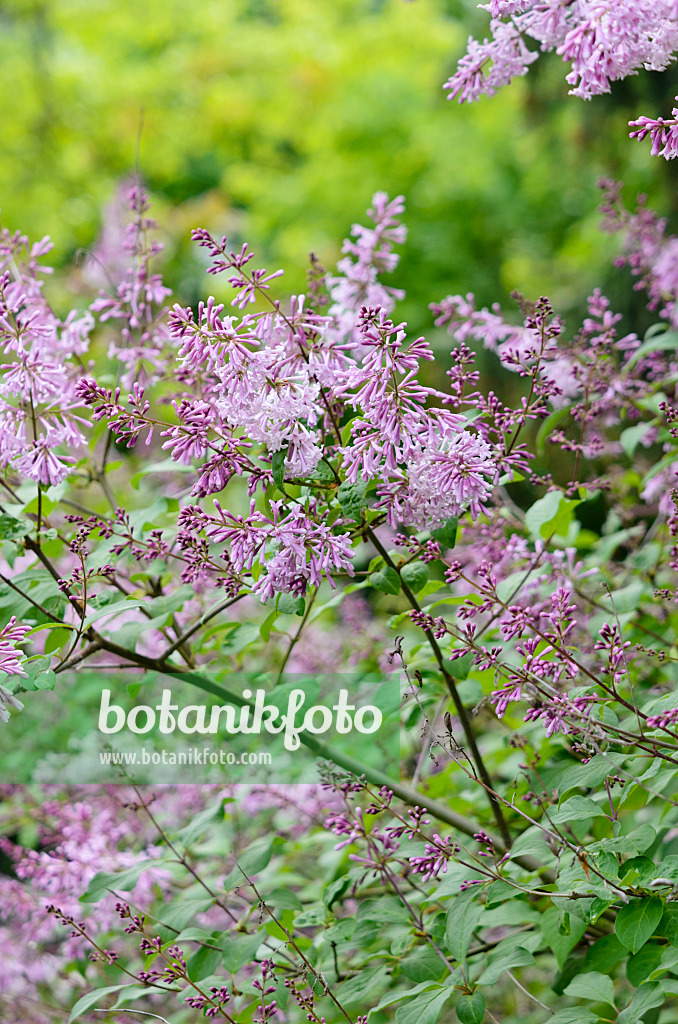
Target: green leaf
{"x":661,"y":342}
{"x":460,"y":668}
{"x":385,"y":909}
{"x":594,"y":986}
{"x":91,"y":999}
{"x":253,"y":860}
{"x":551,"y":514}
{"x":34,"y":668}
{"x":499,"y":892}
{"x":505,"y":961}
{"x":13,"y":529}
{"x":423,"y":964}
{"x":239,"y":949}
{"x":625,"y":599}
{"x":608,"y":864}
{"x":357,"y":990}
{"x":278,"y":469}
{"x":589,"y":775}
{"x":669,"y":959}
{"x":604,"y":953}
{"x":201,"y":822}
{"x":435,"y":585}
{"x":471,"y":1008}
{"x":288,"y":604}
{"x":577,"y":808}
{"x":636,"y":841}
{"x":574,"y":1015}
{"x":641,"y":966}
{"x":668,"y":926}
{"x":462,"y":920}
{"x":182,"y":911}
{"x":396,"y":997}
{"x":336,"y":889}
{"x":638,"y":871}
{"x":424,"y":1009}
{"x":562,"y":932}
{"x":574,"y":965}
{"x":515,"y":911}
{"x":204,"y":962}
{"x":197,"y":935}
{"x":312,"y":916}
{"x":283,"y":899}
{"x":129,"y":994}
{"x":547,"y":425}
{"x":447,"y":535}
{"x":415,"y":575}
{"x":323,"y":471}
{"x":57,"y":639}
{"x":114,"y":608}
{"x":668,"y":868}
{"x":351,"y":498}
{"x":637,"y":921}
{"x":646,"y":997}
{"x":386,"y":580}
{"x":531,"y":842}
{"x":52,"y":626}
{"x":123,"y":880}
{"x":45,"y":680}
{"x":265,"y":627}
{"x":632,"y":436}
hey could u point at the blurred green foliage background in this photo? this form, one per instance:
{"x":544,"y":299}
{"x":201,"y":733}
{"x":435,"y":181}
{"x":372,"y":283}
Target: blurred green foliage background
{"x":276,"y":120}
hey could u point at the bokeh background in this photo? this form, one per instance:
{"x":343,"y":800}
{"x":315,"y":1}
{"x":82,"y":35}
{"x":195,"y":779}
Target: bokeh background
{"x":275,"y":121}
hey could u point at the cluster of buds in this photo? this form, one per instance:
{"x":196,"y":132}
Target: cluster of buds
{"x":265,"y":986}
{"x":212,"y":1007}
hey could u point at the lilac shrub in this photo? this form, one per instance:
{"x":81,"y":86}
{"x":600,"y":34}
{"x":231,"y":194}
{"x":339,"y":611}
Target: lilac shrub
{"x":510,"y":563}
{"x":320,"y":422}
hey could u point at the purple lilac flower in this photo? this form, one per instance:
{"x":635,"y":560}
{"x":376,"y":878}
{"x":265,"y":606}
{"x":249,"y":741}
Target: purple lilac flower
{"x":10,"y":663}
{"x":602,"y":41}
{"x":371,"y":254}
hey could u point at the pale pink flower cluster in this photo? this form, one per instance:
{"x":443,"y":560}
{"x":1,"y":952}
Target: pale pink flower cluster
{"x":650,"y":252}
{"x":368,"y":255}
{"x":142,"y":343}
{"x":10,"y":663}
{"x":78,"y":837}
{"x":516,"y":345}
{"x":603,"y":41}
{"x":487,"y":66}
{"x":38,"y":422}
{"x":663,"y":133}
{"x":263,"y":394}
{"x":295,"y":549}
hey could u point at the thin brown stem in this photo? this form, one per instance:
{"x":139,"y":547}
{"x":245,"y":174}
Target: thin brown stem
{"x":462,"y":714}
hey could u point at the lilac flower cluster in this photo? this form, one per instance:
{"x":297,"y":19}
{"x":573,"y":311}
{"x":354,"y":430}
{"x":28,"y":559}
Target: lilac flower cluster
{"x":603,"y":42}
{"x":306,"y":551}
{"x":327,"y":409}
{"x":11,"y":658}
{"x":143,"y":344}
{"x":266,"y":986}
{"x":382,"y":844}
{"x":651,"y":254}
{"x":39,"y":424}
{"x":282,"y":398}
{"x":79,"y":832}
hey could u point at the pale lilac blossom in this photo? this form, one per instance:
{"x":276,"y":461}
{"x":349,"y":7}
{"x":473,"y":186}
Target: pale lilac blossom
{"x":603,"y":41}
{"x":11,"y":659}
